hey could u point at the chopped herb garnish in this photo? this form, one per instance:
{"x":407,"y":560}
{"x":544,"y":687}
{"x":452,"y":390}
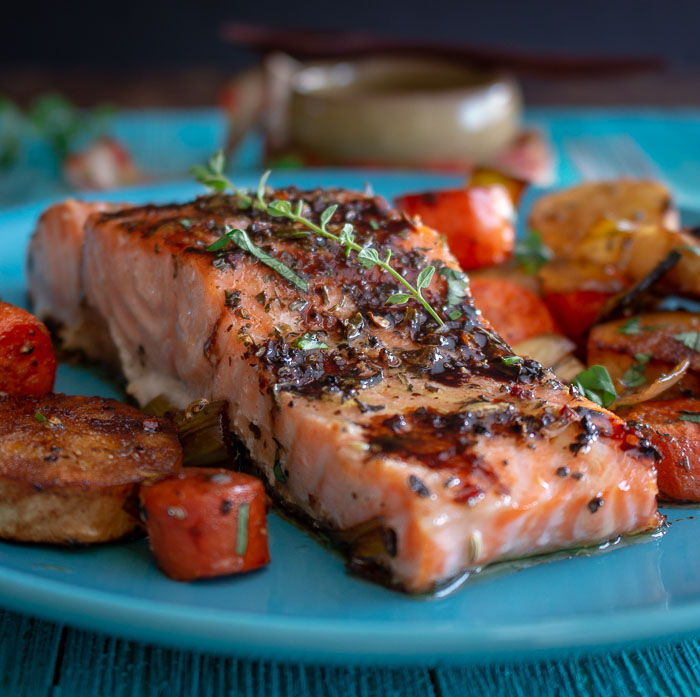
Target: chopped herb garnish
{"x":457,"y":283}
{"x":374,"y":224}
{"x":635,"y":375}
{"x":631,"y":326}
{"x":242,"y":536}
{"x":454,"y":314}
{"x":690,"y":339}
{"x":213,"y":177}
{"x":186,"y":223}
{"x":512,"y":360}
{"x":308,"y":342}
{"x":692,"y":416}
{"x":596,"y":384}
{"x":277,"y":470}
{"x":40,"y":418}
{"x":240,"y":239}
{"x":232,"y":298}
{"x":531,"y":253}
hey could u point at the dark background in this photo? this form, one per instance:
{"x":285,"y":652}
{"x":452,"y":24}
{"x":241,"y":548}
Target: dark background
{"x":145,"y":52}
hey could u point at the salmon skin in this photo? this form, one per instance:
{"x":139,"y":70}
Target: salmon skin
{"x":421,"y":449}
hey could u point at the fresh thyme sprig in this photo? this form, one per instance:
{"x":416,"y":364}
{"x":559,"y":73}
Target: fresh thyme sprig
{"x":214,"y":178}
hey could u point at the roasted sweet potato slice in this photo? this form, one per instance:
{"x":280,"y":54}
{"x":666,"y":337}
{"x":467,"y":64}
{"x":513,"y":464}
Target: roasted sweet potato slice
{"x":70,"y":467}
{"x":673,"y":427}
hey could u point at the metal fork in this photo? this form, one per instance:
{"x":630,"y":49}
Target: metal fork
{"x":610,"y":157}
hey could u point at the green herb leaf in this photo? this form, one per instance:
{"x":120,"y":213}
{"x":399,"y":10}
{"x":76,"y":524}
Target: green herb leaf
{"x":277,"y":469}
{"x":424,"y":277}
{"x":457,"y":283}
{"x":531,"y":253}
{"x":398,"y":299}
{"x":328,"y":214}
{"x":186,"y":223}
{"x":220,"y":244}
{"x":307,"y":342}
{"x":374,"y":224}
{"x":241,"y":239}
{"x":631,"y":326}
{"x":596,"y":384}
{"x":368,"y":257}
{"x":279,"y":209}
{"x":242,"y":536}
{"x":635,"y":375}
{"x":692,"y":416}
{"x":690,"y":339}
{"x":454,"y":314}
{"x":512,"y":360}
{"x":217,"y":162}
{"x":40,"y":418}
{"x":261,"y":187}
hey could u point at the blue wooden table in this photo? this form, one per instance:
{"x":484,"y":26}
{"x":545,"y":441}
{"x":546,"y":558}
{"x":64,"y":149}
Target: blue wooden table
{"x":40,"y":658}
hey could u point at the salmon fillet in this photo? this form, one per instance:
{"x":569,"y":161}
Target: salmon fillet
{"x":422,"y":451}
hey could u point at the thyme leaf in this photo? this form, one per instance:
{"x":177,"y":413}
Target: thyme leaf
{"x":212,"y":176}
{"x":240,"y":239}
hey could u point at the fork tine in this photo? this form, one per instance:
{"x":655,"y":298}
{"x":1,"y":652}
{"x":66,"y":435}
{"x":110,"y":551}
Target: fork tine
{"x":609,"y":157}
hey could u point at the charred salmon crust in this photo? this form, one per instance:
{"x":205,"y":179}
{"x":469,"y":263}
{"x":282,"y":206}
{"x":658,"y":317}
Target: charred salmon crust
{"x":70,"y":467}
{"x":422,"y":447}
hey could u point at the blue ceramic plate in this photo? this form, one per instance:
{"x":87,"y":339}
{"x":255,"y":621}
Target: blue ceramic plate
{"x":305,"y":606}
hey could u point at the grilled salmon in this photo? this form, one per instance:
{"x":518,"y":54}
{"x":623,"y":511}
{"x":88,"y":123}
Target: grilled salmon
{"x":426,"y":452}
{"x":70,"y":467}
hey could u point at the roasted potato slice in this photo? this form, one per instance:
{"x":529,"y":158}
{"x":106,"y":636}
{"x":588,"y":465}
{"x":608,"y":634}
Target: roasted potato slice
{"x":70,"y":467}
{"x":563,"y":218}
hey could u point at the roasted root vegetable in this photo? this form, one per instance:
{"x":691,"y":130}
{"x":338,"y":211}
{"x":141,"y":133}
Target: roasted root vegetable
{"x":638,"y":350}
{"x":27,"y":361}
{"x":205,"y":522}
{"x":477,"y":221}
{"x":673,"y":428}
{"x":576,"y":311}
{"x":565,"y":217}
{"x":515,"y":312}
{"x":70,"y":467}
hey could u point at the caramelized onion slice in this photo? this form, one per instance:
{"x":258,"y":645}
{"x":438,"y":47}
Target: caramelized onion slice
{"x":546,"y":349}
{"x":652,"y":390}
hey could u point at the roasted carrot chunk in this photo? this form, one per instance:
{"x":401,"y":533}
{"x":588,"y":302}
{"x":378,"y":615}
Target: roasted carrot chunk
{"x":477,"y":221}
{"x":576,"y":311}
{"x":27,"y":362}
{"x":515,"y":312}
{"x":673,"y":428}
{"x":205,"y":522}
